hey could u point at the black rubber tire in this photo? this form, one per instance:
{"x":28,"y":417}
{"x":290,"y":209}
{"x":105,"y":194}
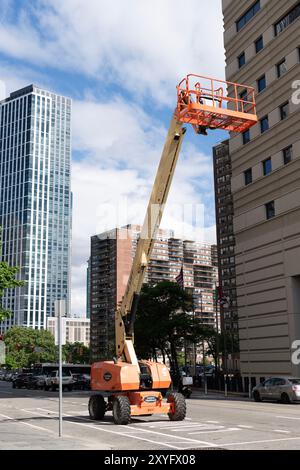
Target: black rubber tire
{"x":256,"y":396}
{"x":46,"y":388}
{"x":53,"y":388}
{"x":97,"y":407}
{"x":180,"y":406}
{"x":121,"y":410}
{"x":70,"y":388}
{"x":285,"y":399}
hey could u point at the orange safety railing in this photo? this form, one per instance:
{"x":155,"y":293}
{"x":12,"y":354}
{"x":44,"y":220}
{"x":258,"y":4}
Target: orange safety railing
{"x":215,"y":104}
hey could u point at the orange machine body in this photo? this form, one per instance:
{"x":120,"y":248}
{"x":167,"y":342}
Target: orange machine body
{"x":121,"y":376}
{"x":148,"y":403}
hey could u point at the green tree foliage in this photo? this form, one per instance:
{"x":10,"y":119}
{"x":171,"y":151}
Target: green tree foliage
{"x":222,"y":343}
{"x":163,"y":321}
{"x":7,"y":281}
{"x":25,"y":346}
{"x":76,"y":353}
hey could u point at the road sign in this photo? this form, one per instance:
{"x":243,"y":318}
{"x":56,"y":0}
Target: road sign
{"x":60,"y":311}
{"x":63,"y":331}
{"x":2,"y":352}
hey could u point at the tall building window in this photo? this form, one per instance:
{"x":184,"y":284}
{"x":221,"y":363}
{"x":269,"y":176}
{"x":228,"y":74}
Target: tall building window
{"x":259,"y":44}
{"x":284,"y":111}
{"x":248,"y":176}
{"x":281,"y":68}
{"x":241,"y":60}
{"x":287,"y":19}
{"x":287,"y":154}
{"x":261,"y":83}
{"x":264,"y":124}
{"x":248,"y":15}
{"x":267,"y":166}
{"x":246,"y":137}
{"x":270,"y":210}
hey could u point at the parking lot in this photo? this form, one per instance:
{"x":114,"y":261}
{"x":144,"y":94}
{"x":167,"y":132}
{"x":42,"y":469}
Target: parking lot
{"x":29,"y":420}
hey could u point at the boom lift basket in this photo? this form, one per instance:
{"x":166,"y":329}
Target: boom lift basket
{"x":215,"y":104}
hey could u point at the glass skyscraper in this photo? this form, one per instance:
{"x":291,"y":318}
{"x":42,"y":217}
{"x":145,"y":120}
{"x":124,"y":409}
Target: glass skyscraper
{"x":35,"y":201}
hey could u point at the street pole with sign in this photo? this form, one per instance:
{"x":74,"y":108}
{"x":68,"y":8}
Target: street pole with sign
{"x":60,"y":311}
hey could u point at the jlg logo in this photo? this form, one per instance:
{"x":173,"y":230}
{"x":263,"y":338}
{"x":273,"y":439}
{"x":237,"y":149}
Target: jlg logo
{"x":296,"y":352}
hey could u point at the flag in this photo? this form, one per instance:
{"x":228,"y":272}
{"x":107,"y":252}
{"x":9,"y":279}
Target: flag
{"x":179,"y":278}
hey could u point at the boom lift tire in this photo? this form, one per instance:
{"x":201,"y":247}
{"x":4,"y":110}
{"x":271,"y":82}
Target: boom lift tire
{"x":97,"y":407}
{"x":179,"y":407}
{"x":121,"y":410}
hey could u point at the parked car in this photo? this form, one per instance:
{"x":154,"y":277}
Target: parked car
{"x":81,"y":381}
{"x":2,"y":374}
{"x":21,"y":380}
{"x":14,"y":375}
{"x":8,"y":376}
{"x":284,"y":389}
{"x":209,"y":371}
{"x":52,"y":381}
{"x":36,"y":381}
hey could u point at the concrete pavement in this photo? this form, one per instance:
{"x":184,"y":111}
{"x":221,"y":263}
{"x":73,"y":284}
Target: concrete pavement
{"x":28,"y":420}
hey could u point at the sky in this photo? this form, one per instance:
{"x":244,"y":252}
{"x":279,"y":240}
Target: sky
{"x":120,"y":63}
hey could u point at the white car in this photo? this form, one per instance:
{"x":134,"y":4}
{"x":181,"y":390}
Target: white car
{"x":52,"y":381}
{"x":284,"y":389}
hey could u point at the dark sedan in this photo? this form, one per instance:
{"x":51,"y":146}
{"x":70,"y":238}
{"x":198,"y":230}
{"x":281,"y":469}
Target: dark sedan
{"x":21,"y":380}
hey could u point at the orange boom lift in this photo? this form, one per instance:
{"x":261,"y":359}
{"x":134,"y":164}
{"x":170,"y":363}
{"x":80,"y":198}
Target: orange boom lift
{"x":126,"y":385}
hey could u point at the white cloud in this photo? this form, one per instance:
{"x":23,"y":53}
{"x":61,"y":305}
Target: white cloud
{"x":13,"y":78}
{"x":145,"y":47}
{"x":112,"y":184}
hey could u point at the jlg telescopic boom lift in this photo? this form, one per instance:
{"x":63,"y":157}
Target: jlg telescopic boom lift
{"x":127,"y":386}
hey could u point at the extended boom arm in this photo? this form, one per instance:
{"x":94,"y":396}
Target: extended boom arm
{"x":158,"y":198}
{"x":203,"y":103}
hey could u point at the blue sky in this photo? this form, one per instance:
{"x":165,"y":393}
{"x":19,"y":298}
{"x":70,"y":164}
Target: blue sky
{"x":120,"y":63}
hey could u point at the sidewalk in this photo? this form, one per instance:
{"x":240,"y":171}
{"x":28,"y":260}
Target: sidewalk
{"x":219,"y":394}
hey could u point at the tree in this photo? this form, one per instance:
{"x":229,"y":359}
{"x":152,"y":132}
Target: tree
{"x":77,"y":353}
{"x":26,"y":346}
{"x":7,"y":281}
{"x":163,"y":321}
{"x":217,"y":343}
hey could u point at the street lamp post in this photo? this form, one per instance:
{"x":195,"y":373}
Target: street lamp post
{"x":203,"y":349}
{"x":217,"y":335}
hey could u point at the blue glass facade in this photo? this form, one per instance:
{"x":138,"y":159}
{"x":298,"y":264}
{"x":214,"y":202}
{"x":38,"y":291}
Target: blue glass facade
{"x":35,"y":201}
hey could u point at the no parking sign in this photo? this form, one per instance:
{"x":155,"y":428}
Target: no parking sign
{"x":2,"y":352}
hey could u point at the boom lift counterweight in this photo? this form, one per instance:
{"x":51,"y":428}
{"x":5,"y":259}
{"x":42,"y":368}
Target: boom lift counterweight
{"x":134,"y":387}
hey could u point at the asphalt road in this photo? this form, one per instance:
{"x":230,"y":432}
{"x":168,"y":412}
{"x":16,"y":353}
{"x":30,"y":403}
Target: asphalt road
{"x":29,"y":420}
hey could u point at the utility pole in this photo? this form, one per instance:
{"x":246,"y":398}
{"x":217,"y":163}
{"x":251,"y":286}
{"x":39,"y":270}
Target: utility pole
{"x":60,"y":311}
{"x":203,"y":349}
{"x":217,"y":326}
{"x":217,"y":336}
{"x":194,"y":343}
